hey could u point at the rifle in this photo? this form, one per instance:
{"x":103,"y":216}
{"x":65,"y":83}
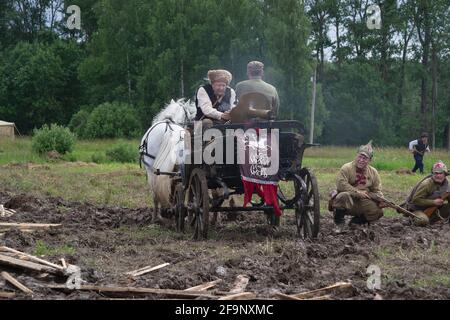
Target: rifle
{"x":429,"y":211}
{"x":392,"y":205}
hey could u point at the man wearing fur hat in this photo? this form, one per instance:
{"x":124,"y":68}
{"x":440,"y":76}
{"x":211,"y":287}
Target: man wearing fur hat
{"x":215,"y":100}
{"x":431,"y":192}
{"x":255,"y":84}
{"x":354,"y":182}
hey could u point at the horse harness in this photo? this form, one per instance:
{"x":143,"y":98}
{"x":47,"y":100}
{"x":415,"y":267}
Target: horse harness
{"x":143,"y":147}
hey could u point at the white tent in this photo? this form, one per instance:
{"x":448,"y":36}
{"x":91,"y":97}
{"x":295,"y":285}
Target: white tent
{"x":7,"y":129}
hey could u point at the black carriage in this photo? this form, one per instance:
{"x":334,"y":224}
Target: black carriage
{"x":193,"y":205}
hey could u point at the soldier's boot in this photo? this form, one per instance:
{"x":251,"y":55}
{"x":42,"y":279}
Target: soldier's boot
{"x":339,"y":220}
{"x":358,"y":220}
{"x":339,"y":216}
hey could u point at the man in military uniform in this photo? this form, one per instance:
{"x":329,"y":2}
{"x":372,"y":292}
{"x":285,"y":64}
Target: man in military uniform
{"x":256,"y":84}
{"x":431,"y":192}
{"x":354,"y":182}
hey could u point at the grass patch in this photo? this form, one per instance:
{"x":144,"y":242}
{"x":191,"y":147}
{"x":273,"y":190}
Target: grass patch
{"x":42,"y":249}
{"x":153,"y":231}
{"x":126,"y":184}
{"x":433,"y":281}
{"x":112,"y":183}
{"x":383,"y":253}
{"x":20,"y":150}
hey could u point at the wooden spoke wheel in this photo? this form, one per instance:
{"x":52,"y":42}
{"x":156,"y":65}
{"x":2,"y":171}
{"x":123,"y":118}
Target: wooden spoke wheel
{"x":198,"y":204}
{"x":307,"y":208}
{"x":179,"y":207}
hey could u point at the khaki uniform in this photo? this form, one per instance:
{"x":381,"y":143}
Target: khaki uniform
{"x":348,"y":197}
{"x":260,"y":86}
{"x":427,"y":191}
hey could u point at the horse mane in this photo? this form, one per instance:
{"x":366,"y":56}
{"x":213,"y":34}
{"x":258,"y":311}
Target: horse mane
{"x":172,"y":111}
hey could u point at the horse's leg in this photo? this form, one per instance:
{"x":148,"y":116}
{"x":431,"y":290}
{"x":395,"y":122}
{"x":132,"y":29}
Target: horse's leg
{"x":232,"y":216}
{"x":157,"y":212}
{"x":215,"y":218}
{"x":155,"y":209}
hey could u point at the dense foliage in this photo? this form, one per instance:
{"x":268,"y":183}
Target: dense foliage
{"x":385,"y":84}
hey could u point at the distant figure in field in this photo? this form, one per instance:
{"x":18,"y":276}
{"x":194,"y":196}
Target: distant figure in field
{"x":418,"y":148}
{"x":354,"y":182}
{"x":427,"y":199}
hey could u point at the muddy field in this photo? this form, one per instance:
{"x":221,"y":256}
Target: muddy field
{"x":106,"y":242}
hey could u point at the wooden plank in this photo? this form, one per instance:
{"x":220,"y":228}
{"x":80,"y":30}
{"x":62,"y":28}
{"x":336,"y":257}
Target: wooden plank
{"x":283,"y":296}
{"x":132,"y":290}
{"x":318,"y":292}
{"x":142,"y":271}
{"x":16,"y":283}
{"x":204,"y":286}
{"x":240,"y":284}
{"x":240,"y":296}
{"x":21,"y":230}
{"x":28,"y":225}
{"x":17,"y":263}
{"x":32,"y":258}
{"x":7,"y":295}
{"x":325,"y":297}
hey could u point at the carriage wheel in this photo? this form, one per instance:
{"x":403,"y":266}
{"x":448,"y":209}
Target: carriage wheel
{"x":198,"y":204}
{"x":180,"y":209}
{"x":307,"y":208}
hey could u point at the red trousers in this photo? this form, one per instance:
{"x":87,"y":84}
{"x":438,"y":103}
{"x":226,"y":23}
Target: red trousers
{"x":268,"y":192}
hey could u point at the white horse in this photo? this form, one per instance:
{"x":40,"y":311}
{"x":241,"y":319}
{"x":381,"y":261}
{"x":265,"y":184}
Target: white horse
{"x":162,"y":147}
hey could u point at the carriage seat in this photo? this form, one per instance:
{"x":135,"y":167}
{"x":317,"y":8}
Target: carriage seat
{"x":250,"y":106}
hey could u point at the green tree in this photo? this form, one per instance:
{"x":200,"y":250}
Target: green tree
{"x":286,"y":34}
{"x":39,"y":84}
{"x":355,"y":97}
{"x":319,"y":15}
{"x":112,"y":120}
{"x":116,"y":56}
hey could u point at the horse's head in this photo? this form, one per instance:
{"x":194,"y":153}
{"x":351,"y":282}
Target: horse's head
{"x":189,"y":108}
{"x":182,"y":111}
{"x":179,"y":112}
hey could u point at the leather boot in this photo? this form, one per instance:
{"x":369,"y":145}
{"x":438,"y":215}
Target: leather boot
{"x":339,"y":216}
{"x":358,"y":220}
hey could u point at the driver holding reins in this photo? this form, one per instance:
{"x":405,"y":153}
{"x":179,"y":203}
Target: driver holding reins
{"x":215,"y":100}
